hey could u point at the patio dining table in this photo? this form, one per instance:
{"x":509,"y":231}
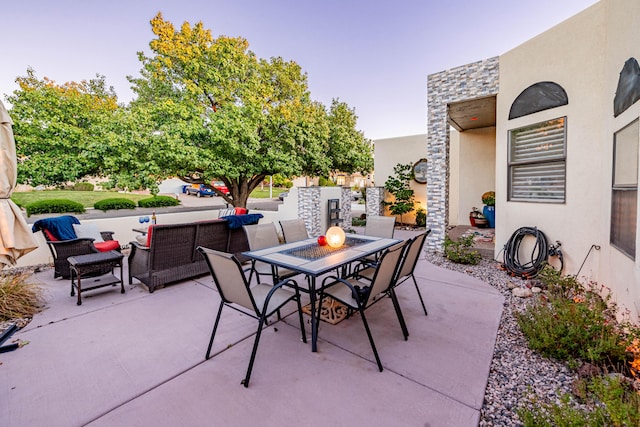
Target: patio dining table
{"x":313,"y":260}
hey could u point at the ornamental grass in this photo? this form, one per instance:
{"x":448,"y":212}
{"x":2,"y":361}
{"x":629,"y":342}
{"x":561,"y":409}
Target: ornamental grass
{"x":19,"y":298}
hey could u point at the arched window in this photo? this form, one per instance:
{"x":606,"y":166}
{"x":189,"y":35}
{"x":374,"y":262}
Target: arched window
{"x":538,"y":97}
{"x":628,"y":90}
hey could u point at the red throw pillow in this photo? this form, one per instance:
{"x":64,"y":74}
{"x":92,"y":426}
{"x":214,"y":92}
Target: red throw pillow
{"x":149,"y":236}
{"x":49,"y":235}
{"x":107,"y":245}
{"x":241,"y":211}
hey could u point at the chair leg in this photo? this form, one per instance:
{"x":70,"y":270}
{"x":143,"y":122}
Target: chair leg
{"x":319,"y":302}
{"x":253,"y":269}
{"x":304,"y":333}
{"x":419,"y":295}
{"x":373,"y":346}
{"x":245,"y":382}
{"x":213,"y":333}
{"x":396,"y":307}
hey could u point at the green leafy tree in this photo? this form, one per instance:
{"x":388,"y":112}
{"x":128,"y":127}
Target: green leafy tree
{"x":399,"y":187}
{"x":57,"y":126}
{"x":216,"y":111}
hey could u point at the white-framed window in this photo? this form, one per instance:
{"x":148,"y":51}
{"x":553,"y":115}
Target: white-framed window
{"x":537,"y":162}
{"x":624,"y":191}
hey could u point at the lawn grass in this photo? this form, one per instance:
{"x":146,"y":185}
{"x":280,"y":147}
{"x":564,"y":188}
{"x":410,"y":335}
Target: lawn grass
{"x":264,"y":193}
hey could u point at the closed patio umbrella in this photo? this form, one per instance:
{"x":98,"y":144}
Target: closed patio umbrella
{"x":15,"y":237}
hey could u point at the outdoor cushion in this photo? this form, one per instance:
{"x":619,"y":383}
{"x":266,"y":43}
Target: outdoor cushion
{"x":49,"y":235}
{"x":61,"y":227}
{"x":88,"y":230}
{"x":241,"y":211}
{"x":149,"y":231}
{"x":107,"y":245}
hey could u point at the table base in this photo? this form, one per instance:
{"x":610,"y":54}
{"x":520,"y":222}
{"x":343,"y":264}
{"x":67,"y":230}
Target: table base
{"x":332,"y":311}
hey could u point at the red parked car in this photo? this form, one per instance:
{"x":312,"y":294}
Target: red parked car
{"x":219,"y":185}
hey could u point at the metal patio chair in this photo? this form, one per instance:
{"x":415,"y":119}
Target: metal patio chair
{"x":359,"y":294}
{"x":294,"y":230}
{"x":380,"y":226}
{"x":262,"y":236}
{"x":259,"y":302}
{"x":407,"y":265}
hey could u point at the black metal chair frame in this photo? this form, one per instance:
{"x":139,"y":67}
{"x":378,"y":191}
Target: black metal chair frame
{"x":409,"y":274}
{"x":396,"y":252}
{"x":260,"y":313}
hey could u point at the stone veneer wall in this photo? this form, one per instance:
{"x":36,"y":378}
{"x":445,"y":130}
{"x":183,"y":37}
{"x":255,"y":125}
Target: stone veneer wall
{"x":345,"y":207}
{"x":475,"y":80}
{"x":313,"y":208}
{"x":309,"y":198}
{"x":375,"y":197}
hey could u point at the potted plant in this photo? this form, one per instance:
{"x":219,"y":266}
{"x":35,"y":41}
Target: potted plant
{"x":489,"y":210}
{"x":476,"y":218}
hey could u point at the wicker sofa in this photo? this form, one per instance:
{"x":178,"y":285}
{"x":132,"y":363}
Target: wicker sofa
{"x":171,"y":254}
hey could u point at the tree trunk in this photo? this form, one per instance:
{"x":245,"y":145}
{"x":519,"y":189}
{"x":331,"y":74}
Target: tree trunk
{"x":240,"y":189}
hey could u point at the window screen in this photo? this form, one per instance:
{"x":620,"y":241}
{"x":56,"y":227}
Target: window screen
{"x":537,"y":162}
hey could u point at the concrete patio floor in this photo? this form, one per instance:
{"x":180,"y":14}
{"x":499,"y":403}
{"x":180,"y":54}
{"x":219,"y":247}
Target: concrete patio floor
{"x":138,"y":360}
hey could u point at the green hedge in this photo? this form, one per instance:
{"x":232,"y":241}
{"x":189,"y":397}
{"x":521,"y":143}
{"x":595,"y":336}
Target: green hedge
{"x":54,"y":206}
{"x":83,"y":186}
{"x":114,"y":204}
{"x":158,"y":202}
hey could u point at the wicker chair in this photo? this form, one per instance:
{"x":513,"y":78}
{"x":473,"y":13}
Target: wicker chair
{"x":63,"y":248}
{"x":259,"y":302}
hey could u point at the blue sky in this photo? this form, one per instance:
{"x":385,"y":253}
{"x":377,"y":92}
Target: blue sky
{"x":374,"y":55}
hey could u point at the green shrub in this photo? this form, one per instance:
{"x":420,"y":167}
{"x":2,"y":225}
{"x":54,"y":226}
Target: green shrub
{"x":619,"y":405}
{"x":114,"y":204}
{"x":83,"y":186}
{"x":421,"y":217}
{"x":581,"y":326}
{"x":158,"y":202}
{"x":358,"y":222}
{"x":325,"y":182}
{"x":54,"y":206}
{"x":461,"y":251}
{"x":557,"y":284}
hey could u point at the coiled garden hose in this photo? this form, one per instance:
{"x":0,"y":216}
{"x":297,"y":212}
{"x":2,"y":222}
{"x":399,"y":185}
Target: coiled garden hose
{"x":539,"y":253}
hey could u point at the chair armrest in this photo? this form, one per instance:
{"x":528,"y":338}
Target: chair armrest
{"x":138,"y":246}
{"x":138,"y":259}
{"x":62,"y":249}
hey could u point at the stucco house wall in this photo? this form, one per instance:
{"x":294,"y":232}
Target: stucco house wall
{"x":584,"y":55}
{"x":472,"y":163}
{"x":388,"y":152}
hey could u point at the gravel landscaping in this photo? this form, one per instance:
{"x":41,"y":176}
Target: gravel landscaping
{"x":517,"y":373}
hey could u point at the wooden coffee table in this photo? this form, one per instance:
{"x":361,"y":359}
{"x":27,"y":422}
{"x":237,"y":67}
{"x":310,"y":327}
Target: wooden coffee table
{"x":89,"y":265}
